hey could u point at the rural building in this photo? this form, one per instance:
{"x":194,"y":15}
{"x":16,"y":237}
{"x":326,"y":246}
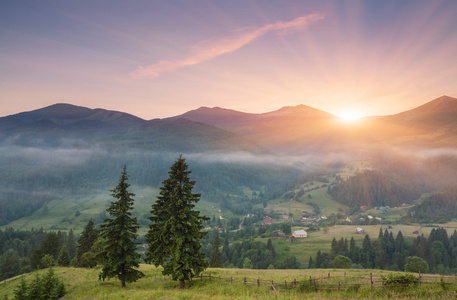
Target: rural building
{"x":291,"y":239}
{"x":300,"y":233}
{"x":278,"y":235}
{"x":359,"y":230}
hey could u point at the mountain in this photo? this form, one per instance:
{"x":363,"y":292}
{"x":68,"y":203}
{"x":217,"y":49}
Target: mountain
{"x":68,"y":125}
{"x":433,"y":124}
{"x":61,"y":123}
{"x":70,"y":116}
{"x":180,"y":135}
{"x":289,"y":129}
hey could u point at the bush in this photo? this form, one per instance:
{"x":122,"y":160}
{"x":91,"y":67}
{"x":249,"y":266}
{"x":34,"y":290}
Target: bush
{"x":416,"y":264}
{"x":400,"y":280}
{"x":307,"y":286}
{"x":342,"y":262}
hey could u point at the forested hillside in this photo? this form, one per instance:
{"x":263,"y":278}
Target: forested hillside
{"x":372,"y":188}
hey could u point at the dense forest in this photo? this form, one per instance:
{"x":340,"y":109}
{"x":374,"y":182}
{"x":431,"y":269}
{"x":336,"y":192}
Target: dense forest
{"x":439,"y":207}
{"x":389,"y":252}
{"x":371,"y":188}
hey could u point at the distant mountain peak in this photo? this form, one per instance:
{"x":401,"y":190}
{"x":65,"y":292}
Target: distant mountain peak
{"x":301,"y":110}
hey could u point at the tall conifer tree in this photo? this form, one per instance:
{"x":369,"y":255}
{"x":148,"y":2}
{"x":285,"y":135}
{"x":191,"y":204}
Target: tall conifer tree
{"x":216,"y":256}
{"x":175,"y":233}
{"x":271,"y":248}
{"x":119,"y":233}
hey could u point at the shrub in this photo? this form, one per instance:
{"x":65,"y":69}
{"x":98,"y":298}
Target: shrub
{"x":416,"y":264}
{"x":342,"y":262}
{"x":399,"y":280}
{"x":307,"y":286}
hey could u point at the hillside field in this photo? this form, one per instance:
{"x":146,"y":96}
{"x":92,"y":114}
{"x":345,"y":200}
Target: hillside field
{"x":84,"y":284}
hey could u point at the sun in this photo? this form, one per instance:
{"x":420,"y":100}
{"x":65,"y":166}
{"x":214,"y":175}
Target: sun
{"x":349,"y":116}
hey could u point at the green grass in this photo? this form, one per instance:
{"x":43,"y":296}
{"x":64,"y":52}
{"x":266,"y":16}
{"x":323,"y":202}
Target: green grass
{"x":84,"y":284}
{"x":319,"y":196}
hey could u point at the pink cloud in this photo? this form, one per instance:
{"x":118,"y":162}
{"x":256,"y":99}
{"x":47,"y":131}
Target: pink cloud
{"x":207,"y":50}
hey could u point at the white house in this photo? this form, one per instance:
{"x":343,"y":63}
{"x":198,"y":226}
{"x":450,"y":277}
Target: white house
{"x":359,"y":230}
{"x":300,"y":233}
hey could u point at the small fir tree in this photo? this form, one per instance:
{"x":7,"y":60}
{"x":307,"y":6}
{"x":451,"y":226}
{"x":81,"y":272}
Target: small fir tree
{"x":226,"y":251}
{"x":64,"y":258}
{"x":47,"y":261}
{"x":247,"y":263}
{"x":71,"y":245}
{"x":20,"y":293}
{"x":216,"y":256}
{"x":87,"y":239}
{"x":175,"y":233}
{"x":119,"y":233}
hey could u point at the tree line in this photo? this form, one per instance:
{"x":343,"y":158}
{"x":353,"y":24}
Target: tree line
{"x":437,"y":253}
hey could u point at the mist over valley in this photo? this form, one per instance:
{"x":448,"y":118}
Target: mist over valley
{"x":65,"y":151}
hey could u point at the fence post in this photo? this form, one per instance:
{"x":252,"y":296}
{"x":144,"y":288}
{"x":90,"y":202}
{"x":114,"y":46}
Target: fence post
{"x":295,"y":282}
{"x":328,"y":274}
{"x":258,"y":281}
{"x":285,"y":283}
{"x":245,"y":280}
{"x":338,"y":285}
{"x":371,"y":280}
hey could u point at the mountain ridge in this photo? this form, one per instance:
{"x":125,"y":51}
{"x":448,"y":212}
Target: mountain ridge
{"x":288,"y":129}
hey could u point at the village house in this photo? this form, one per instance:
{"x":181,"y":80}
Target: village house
{"x":359,"y":230}
{"x":278,"y":235}
{"x":300,"y":233}
{"x":291,"y":239}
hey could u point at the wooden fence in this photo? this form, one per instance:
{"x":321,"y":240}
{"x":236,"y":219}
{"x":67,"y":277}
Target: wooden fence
{"x":330,"y":281}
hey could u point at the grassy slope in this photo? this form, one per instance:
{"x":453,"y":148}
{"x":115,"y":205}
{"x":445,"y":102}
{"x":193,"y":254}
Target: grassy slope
{"x":61,"y":213}
{"x":84,"y":284}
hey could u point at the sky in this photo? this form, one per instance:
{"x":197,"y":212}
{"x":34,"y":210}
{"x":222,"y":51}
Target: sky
{"x":156,"y":59}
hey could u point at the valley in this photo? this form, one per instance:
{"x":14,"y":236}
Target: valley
{"x":329,"y":178}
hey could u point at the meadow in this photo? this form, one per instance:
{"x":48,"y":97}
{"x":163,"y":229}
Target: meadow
{"x":84,"y":284}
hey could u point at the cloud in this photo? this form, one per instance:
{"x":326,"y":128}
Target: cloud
{"x":207,"y":50}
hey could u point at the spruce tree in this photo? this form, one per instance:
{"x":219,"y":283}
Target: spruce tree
{"x":64,"y":258}
{"x":71,"y":245}
{"x":175,"y":233}
{"x":87,"y":239}
{"x":226,"y":251}
{"x":271,"y":248}
{"x":119,"y":233}
{"x":216,"y":256}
